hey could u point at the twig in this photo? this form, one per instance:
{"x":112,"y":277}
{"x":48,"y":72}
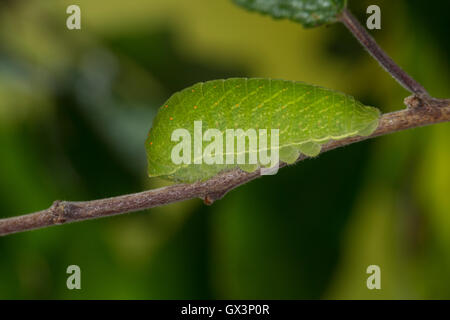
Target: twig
{"x":368,"y":42}
{"x":422,"y":111}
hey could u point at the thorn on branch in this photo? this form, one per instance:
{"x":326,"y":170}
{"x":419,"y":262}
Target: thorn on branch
{"x":210,"y":198}
{"x":63,"y":211}
{"x":413,"y":102}
{"x":426,"y":105}
{"x":57,"y":212}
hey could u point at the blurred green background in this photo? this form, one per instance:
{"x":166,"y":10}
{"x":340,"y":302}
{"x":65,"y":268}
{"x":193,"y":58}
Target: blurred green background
{"x":75,"y":108}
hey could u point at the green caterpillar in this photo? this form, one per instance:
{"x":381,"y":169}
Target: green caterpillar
{"x":303,"y":117}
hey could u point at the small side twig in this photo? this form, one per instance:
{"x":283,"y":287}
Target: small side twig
{"x":421,"y":111}
{"x":369,"y":43}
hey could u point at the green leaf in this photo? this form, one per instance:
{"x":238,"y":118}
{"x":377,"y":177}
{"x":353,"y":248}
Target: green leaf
{"x":310,"y":13}
{"x":212,"y":114}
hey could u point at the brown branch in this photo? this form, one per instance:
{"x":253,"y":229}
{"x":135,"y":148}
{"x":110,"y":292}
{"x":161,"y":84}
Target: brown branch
{"x":369,"y":43}
{"x":422,"y":111}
